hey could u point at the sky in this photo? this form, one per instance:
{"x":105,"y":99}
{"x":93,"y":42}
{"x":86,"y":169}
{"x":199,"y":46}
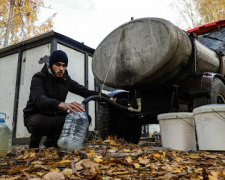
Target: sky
{"x":90,"y":21}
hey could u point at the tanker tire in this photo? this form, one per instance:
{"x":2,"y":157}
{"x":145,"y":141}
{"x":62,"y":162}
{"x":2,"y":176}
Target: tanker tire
{"x":135,"y":133}
{"x":104,"y":122}
{"x":112,"y":122}
{"x":217,"y":94}
{"x":126,"y":126}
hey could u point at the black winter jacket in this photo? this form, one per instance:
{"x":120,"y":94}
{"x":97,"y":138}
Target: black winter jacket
{"x":47,"y":92}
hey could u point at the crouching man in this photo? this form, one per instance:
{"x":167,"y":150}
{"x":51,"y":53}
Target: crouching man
{"x":46,"y":110}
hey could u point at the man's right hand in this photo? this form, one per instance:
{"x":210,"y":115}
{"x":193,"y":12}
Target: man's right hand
{"x":71,"y":106}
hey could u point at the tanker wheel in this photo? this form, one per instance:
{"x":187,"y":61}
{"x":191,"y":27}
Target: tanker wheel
{"x":112,"y":122}
{"x":105,"y":123}
{"x":133,"y":133}
{"x":217,"y":94}
{"x":128,"y":127}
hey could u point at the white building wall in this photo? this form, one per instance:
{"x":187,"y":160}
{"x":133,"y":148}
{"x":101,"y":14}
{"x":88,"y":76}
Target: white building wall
{"x":8,"y":72}
{"x":30,"y":65}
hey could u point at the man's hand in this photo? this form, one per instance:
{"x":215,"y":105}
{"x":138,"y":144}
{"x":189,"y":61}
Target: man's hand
{"x":113,"y":99}
{"x":71,"y":106}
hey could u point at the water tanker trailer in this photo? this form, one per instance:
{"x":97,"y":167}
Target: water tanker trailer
{"x":158,"y":68}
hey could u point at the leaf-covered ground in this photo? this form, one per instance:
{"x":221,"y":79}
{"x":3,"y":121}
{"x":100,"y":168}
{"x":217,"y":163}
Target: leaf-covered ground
{"x":112,"y":159}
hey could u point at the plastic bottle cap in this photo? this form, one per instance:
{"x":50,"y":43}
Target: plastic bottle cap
{"x":2,"y":120}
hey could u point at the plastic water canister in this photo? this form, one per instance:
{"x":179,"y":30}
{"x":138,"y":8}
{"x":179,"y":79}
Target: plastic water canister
{"x":74,"y":131}
{"x":4,"y":135}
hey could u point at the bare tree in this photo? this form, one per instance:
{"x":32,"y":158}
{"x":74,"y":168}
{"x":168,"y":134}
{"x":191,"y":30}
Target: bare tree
{"x":193,"y":13}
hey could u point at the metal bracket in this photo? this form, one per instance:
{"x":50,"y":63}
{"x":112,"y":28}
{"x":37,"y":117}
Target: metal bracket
{"x":44,"y":59}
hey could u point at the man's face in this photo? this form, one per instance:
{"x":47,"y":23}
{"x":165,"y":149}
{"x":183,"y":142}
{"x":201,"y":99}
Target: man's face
{"x":59,"y":69}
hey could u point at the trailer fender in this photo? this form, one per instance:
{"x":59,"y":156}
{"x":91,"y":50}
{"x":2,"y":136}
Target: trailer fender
{"x":201,"y":85}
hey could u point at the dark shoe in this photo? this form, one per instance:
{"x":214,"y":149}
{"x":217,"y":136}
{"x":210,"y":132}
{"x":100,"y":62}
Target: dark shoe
{"x":34,"y":141}
{"x":51,"y":141}
{"x":34,"y":144}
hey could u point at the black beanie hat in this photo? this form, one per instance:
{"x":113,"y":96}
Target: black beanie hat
{"x":58,"y":56}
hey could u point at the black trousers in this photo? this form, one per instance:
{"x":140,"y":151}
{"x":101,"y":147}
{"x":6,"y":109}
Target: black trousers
{"x":39,"y":125}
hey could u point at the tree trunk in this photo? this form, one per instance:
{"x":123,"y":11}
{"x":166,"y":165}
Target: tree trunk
{"x":9,"y":24}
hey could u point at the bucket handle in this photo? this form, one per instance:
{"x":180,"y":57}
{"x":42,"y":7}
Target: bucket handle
{"x":186,"y":121}
{"x":219,"y":114}
{"x":3,"y":114}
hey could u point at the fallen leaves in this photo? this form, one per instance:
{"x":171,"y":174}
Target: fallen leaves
{"x":54,"y":176}
{"x":78,"y":166}
{"x":63,"y":163}
{"x":112,"y":159}
{"x":67,"y":171}
{"x":98,"y":159}
{"x":144,"y":161}
{"x":16,"y":169}
{"x":129,"y":159}
{"x":136,"y":165}
{"x":87,"y":163}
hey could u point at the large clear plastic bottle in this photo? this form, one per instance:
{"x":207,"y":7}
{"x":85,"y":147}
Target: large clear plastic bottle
{"x":4,"y":135}
{"x":74,"y":131}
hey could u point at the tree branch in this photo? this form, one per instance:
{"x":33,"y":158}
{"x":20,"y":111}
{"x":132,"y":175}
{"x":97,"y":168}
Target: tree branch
{"x":40,"y":5}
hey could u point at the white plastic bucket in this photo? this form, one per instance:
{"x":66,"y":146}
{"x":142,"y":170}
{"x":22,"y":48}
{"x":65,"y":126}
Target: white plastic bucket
{"x":177,"y":131}
{"x":210,"y":127}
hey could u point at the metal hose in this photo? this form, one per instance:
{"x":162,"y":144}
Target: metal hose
{"x":102,"y":98}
